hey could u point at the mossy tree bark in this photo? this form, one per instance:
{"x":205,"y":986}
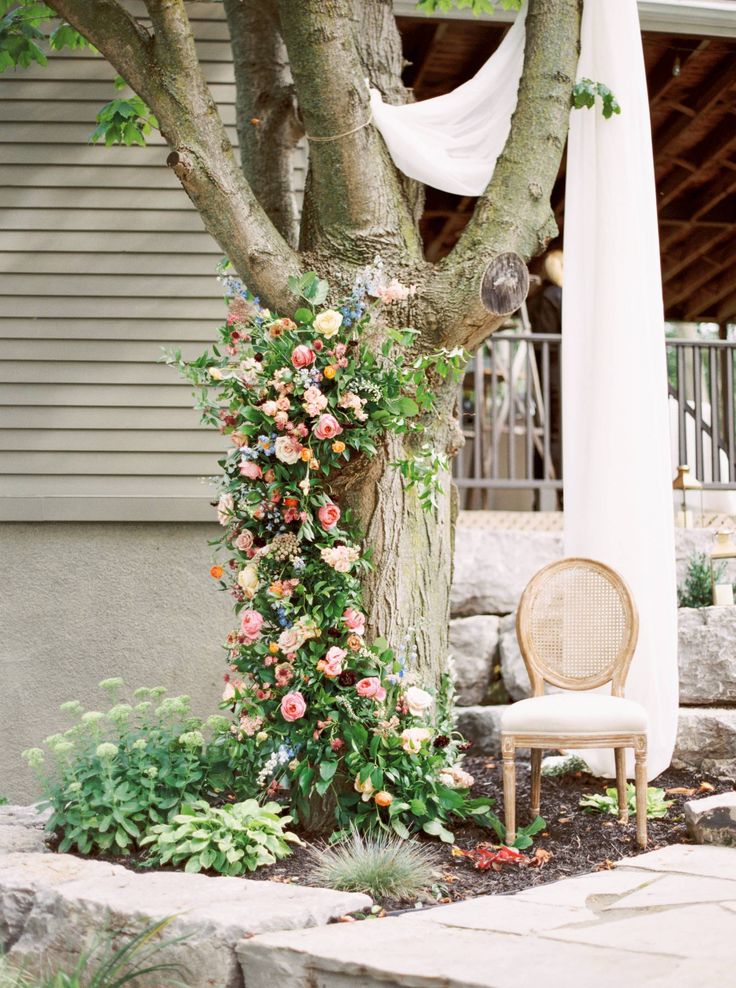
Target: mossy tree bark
{"x":301,"y":67}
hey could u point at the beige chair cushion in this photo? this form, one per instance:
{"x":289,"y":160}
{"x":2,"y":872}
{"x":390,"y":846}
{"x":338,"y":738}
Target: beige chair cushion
{"x":574,"y":713}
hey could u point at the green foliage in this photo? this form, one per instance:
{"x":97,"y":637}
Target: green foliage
{"x":697,"y":588}
{"x":584,"y":93}
{"x":476,"y":6}
{"x":124,"y":120}
{"x":555,"y":766}
{"x":378,"y":864}
{"x":115,"y":773}
{"x":657,"y":805}
{"x":25,"y":26}
{"x":230,"y":840}
{"x":104,"y":966}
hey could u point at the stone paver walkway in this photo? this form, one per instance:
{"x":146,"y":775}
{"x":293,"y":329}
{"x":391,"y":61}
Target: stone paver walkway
{"x":665,"y":918}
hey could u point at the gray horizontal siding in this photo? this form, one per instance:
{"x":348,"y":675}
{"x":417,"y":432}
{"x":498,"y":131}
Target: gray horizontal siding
{"x":103,"y":262}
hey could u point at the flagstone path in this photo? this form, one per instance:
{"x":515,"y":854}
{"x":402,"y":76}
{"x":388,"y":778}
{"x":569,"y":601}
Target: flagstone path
{"x":665,"y":918}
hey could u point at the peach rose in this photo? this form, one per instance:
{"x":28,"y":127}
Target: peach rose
{"x":302,"y":356}
{"x":251,"y":623}
{"x":366,"y":789}
{"x":291,"y":639}
{"x":329,"y":515}
{"x":269,"y":408}
{"x":327,"y":427}
{"x":383,"y":798}
{"x":244,"y":541}
{"x":293,"y":706}
{"x":371,"y":688}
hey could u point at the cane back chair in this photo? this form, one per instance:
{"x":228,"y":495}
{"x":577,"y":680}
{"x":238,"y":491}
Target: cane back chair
{"x":577,"y":626}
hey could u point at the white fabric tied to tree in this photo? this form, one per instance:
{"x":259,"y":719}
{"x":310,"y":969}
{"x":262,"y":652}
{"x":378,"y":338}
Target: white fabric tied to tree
{"x":617,"y":476}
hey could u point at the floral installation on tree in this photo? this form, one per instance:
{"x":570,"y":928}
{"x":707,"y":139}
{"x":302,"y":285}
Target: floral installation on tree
{"x":320,"y":710}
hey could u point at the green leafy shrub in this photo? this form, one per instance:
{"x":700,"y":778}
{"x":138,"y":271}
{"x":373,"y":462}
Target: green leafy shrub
{"x":379,"y":864}
{"x":229,"y":839}
{"x":657,"y":805}
{"x":104,"y":966}
{"x":697,"y":588}
{"x":115,"y":773}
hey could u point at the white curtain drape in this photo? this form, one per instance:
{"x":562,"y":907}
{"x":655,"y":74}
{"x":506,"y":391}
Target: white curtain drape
{"x":617,"y":475}
{"x":452,"y":142}
{"x":618,"y":498}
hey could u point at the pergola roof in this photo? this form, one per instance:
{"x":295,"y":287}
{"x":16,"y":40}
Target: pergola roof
{"x":692,"y":83}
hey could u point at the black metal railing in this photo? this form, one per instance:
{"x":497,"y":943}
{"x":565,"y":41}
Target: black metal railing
{"x":509,"y":409}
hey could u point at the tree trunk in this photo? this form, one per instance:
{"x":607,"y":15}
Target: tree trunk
{"x":407,"y":592}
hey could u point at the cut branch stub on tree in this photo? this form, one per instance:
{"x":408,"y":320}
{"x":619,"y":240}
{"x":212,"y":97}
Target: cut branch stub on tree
{"x":505,"y":284}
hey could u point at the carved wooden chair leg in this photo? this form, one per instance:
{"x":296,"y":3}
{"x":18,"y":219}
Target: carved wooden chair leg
{"x":509,"y":788}
{"x":536,"y":781}
{"x":640,"y":769}
{"x":623,"y":803}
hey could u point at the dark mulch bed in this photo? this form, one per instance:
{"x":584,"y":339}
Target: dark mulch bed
{"x":577,"y":842}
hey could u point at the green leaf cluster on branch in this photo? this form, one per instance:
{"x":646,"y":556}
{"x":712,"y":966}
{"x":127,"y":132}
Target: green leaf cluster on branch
{"x":584,"y":94}
{"x":24,"y":26}
{"x":476,"y":6}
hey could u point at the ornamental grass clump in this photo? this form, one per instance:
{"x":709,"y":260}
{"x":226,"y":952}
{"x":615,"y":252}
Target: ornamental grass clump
{"x":341,"y":720}
{"x":379,"y":864}
{"x":230,"y":840}
{"x":106,"y":966}
{"x":116,"y":772}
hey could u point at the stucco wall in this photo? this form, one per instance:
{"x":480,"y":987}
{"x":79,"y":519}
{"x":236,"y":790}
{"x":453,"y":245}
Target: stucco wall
{"x":82,"y":602}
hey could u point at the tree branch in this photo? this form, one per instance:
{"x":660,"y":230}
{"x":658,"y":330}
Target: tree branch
{"x":165,"y":72}
{"x":265,"y":108}
{"x":355,"y":206}
{"x":514,"y":212}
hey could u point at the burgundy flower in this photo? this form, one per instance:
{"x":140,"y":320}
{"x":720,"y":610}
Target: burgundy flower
{"x":347,"y":678}
{"x":441,"y":741}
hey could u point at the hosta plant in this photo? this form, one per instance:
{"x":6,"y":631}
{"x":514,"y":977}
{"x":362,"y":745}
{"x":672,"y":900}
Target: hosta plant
{"x":230,"y":840}
{"x":657,"y":805}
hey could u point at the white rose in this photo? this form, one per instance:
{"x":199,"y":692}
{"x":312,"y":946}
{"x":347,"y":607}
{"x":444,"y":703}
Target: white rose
{"x":328,"y":323}
{"x":248,"y":580}
{"x":286,"y":450}
{"x":418,"y":701}
{"x":413,"y":737}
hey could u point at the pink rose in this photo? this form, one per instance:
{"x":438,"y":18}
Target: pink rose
{"x":293,"y":706}
{"x":329,"y":515}
{"x":332,"y":662}
{"x":251,"y":623}
{"x":251,"y":470}
{"x":269,"y":408}
{"x":371,"y":687}
{"x":354,"y":621}
{"x":302,"y":356}
{"x":327,"y":427}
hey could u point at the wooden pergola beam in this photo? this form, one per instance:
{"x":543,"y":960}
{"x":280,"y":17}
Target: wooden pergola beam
{"x":694,"y":249}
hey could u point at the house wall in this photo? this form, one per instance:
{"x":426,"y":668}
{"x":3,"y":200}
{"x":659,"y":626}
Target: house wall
{"x":84,"y":601}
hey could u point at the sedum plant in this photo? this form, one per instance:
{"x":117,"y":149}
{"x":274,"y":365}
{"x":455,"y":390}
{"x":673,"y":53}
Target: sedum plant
{"x":657,"y":805}
{"x":229,"y":839}
{"x":115,"y":773}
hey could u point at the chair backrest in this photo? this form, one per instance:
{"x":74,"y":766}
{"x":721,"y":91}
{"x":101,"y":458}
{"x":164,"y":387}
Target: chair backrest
{"x":577,"y":626}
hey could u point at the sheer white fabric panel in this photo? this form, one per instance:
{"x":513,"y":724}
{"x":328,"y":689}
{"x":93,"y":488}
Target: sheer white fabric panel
{"x":452,"y":142}
{"x":618,"y":484}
